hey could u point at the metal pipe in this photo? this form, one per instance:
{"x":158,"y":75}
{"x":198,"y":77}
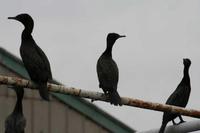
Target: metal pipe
{"x":15,"y":81}
{"x":185,"y":127}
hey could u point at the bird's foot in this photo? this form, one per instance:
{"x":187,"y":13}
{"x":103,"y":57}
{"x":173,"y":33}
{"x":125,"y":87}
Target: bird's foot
{"x":181,"y":119}
{"x":106,"y":94}
{"x":92,"y":100}
{"x":113,"y":104}
{"x":174,"y":123}
{"x":181,"y":122}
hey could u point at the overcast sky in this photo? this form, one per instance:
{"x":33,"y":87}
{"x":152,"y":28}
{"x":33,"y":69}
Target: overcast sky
{"x":73,"y":33}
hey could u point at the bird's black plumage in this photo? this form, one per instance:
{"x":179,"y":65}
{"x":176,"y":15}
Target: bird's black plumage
{"x":107,"y":71}
{"x":16,"y":122}
{"x":179,"y":97}
{"x":34,"y":59}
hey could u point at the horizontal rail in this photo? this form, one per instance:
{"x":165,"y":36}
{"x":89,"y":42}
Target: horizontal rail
{"x":185,"y":127}
{"x":15,"y":81}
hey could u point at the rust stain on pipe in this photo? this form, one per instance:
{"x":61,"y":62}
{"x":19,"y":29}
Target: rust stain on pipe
{"x":100,"y":96}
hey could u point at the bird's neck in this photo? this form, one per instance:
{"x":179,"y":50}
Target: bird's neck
{"x":109,"y":47}
{"x":27,"y":31}
{"x":108,"y":51}
{"x":186,"y":76}
{"x":18,"y":106}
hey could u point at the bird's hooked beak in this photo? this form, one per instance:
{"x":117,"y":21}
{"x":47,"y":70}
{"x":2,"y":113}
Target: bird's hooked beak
{"x":12,"y":18}
{"x":122,"y":36}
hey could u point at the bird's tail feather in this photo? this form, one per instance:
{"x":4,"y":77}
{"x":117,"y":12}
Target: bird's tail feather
{"x":162,"y":128}
{"x":115,"y":98}
{"x":53,"y":82}
{"x":43,"y":90}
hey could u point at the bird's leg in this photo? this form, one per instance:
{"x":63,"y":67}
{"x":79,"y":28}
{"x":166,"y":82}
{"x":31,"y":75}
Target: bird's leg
{"x":181,"y":119}
{"x":92,"y":100}
{"x":110,"y":97}
{"x":174,"y":123}
{"x":105,"y":92}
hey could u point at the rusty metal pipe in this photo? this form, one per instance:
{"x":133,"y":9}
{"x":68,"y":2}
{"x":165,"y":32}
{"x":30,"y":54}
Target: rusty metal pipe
{"x":15,"y":81}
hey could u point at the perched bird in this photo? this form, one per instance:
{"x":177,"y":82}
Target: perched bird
{"x":179,"y":97}
{"x":107,"y":71}
{"x":34,"y":59}
{"x":16,"y":122}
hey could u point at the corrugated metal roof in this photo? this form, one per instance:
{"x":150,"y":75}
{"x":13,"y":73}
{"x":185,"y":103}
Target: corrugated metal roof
{"x":89,"y":110}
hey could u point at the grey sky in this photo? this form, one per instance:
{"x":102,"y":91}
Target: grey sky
{"x":73,"y":35}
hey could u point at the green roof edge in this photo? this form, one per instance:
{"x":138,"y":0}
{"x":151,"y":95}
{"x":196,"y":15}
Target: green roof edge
{"x":93,"y":112}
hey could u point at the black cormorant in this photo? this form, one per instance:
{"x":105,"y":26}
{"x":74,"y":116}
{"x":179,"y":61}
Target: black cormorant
{"x":16,"y":122}
{"x":179,"y":97}
{"x":107,"y":71}
{"x":34,"y":59}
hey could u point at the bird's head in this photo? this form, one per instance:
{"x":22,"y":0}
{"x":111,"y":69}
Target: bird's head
{"x":186,"y":62}
{"x":25,"y":19}
{"x":112,"y":37}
